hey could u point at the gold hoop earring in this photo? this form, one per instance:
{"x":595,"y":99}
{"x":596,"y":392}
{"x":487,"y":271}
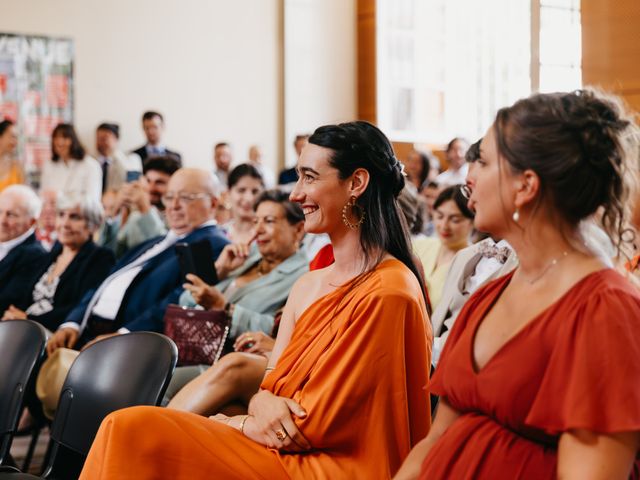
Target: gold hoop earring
{"x":359,"y":212}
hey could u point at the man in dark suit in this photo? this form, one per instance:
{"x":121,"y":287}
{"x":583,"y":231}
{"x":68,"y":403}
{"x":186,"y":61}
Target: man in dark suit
{"x":19,"y":249}
{"x":289,"y":176}
{"x":141,"y":285}
{"x":153,"y":126}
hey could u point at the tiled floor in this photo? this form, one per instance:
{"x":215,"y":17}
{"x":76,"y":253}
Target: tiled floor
{"x":21,"y":445}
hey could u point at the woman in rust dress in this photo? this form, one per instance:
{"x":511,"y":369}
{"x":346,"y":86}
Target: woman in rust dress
{"x":540,"y":377}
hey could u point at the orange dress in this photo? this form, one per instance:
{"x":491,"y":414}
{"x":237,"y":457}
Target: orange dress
{"x":575,"y":365}
{"x":14,"y":176}
{"x":358,"y":363}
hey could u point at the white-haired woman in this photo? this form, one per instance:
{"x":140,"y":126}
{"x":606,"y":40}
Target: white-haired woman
{"x":74,"y":266}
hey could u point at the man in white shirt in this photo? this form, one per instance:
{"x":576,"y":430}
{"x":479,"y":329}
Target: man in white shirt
{"x":135,"y":295}
{"x":458,"y":169}
{"x":19,"y":249}
{"x":222,"y":160}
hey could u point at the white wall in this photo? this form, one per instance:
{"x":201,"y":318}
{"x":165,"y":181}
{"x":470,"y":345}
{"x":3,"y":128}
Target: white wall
{"x":213,"y":68}
{"x":209,"y":66}
{"x":320,"y":66}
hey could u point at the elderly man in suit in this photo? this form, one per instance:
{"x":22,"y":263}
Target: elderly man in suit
{"x":136,"y":293}
{"x":19,"y":249}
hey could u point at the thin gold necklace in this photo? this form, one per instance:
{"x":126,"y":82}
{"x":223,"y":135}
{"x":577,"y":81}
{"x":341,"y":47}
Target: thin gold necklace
{"x":553,"y":263}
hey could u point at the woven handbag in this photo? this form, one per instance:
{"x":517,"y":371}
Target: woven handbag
{"x":200,"y":335}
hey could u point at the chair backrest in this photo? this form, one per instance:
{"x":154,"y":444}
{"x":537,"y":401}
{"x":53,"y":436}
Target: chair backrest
{"x":22,"y":345}
{"x":119,"y":372}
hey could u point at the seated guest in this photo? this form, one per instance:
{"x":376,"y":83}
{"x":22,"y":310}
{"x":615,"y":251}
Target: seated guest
{"x":257,"y":289}
{"x":456,"y":173}
{"x":153,"y":127}
{"x":429,"y":193}
{"x":289,"y":176}
{"x":74,"y":265}
{"x":417,"y":168}
{"x":540,"y":377}
{"x":11,"y":172}
{"x":320,"y":413}
{"x":222,"y":160}
{"x":147,"y":279}
{"x":454,"y":223}
{"x":46,"y":224}
{"x":139,"y":206}
{"x":245,"y":184}
{"x":19,"y":249}
{"x":71,"y":171}
{"x":255,"y":159}
{"x":114,"y":162}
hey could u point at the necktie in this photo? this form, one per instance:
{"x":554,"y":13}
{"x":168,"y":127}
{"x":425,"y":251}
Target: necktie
{"x":105,"y":173}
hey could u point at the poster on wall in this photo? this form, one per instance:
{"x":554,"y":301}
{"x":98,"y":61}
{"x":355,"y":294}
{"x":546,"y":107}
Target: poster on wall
{"x":36,"y":92}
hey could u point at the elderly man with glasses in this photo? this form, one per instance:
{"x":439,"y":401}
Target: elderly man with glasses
{"x":148,"y":278}
{"x":19,"y":249}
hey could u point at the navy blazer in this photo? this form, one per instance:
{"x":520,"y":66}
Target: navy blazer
{"x":142,"y":153}
{"x":87,"y":270}
{"x":158,"y":284}
{"x":16,"y":269}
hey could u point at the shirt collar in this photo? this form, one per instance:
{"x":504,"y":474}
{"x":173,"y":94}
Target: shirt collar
{"x":10,"y":244}
{"x":208,"y":223}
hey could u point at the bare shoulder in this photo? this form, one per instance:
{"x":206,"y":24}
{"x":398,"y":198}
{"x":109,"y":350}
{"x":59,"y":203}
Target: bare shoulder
{"x":308,"y":288}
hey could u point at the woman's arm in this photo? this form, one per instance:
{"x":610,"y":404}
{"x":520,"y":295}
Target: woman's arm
{"x":445,"y":416}
{"x":587,"y":455}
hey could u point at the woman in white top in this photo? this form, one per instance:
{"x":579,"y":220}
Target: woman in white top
{"x":71,"y":171}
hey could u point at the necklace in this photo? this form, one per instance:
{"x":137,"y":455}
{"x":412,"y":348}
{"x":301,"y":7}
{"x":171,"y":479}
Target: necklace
{"x":261,"y":270}
{"x":553,"y":263}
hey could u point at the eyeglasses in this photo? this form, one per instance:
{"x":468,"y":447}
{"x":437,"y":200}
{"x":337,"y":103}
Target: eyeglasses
{"x":183,"y":198}
{"x":466,"y":191}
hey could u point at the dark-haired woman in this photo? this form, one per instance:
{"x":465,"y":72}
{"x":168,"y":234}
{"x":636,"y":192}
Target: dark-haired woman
{"x":417,"y":167}
{"x":10,"y":170}
{"x":71,"y":171}
{"x":540,"y":377}
{"x":348,"y":395}
{"x":245,"y":184}
{"x":453,"y":223}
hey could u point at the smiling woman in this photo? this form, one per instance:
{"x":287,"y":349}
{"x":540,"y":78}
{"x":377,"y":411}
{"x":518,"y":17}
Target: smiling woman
{"x":454,"y":223}
{"x":350,"y":367}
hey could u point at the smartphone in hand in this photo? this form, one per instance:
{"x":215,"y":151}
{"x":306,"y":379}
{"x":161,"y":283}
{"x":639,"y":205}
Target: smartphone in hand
{"x":197,"y":258}
{"x":133,"y":175}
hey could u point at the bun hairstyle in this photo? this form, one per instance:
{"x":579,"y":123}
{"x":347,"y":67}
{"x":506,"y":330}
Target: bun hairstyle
{"x":580,"y":144}
{"x":362,"y":145}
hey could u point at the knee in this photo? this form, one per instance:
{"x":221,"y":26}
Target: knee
{"x":130,"y":420}
{"x":228,"y":369}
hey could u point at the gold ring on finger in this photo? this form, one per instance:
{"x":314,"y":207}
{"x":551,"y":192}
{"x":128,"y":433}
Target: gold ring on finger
{"x":281,"y":435}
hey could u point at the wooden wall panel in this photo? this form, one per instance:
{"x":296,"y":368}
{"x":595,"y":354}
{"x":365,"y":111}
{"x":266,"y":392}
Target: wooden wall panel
{"x":366,"y":48}
{"x":611,"y":47}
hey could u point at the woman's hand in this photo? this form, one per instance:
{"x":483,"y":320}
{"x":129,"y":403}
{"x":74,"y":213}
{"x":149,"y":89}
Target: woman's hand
{"x":270,"y":422}
{"x":205,"y":295}
{"x":232,"y":256}
{"x":13,"y":313}
{"x":254,"y":342}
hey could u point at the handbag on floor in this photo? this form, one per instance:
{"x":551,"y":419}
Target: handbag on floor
{"x":200,"y":335}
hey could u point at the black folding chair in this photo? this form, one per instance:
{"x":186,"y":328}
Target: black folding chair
{"x":22,"y":345}
{"x":119,"y":372}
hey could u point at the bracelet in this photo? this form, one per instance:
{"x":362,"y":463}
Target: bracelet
{"x":268,"y":369}
{"x":242,"y":423}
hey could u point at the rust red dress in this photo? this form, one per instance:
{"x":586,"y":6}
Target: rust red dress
{"x":575,"y":365}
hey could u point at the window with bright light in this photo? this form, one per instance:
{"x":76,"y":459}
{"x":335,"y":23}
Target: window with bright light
{"x":444,"y":67}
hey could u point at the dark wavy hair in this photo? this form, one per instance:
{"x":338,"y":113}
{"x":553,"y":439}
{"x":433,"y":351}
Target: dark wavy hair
{"x":454,"y":193}
{"x":66,"y":130}
{"x":241,"y":171}
{"x":580,"y":145}
{"x":4,"y":125}
{"x":362,"y":145}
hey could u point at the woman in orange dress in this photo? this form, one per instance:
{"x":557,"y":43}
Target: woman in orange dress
{"x":10,"y":170}
{"x":540,"y":377}
{"x":348,"y":396}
